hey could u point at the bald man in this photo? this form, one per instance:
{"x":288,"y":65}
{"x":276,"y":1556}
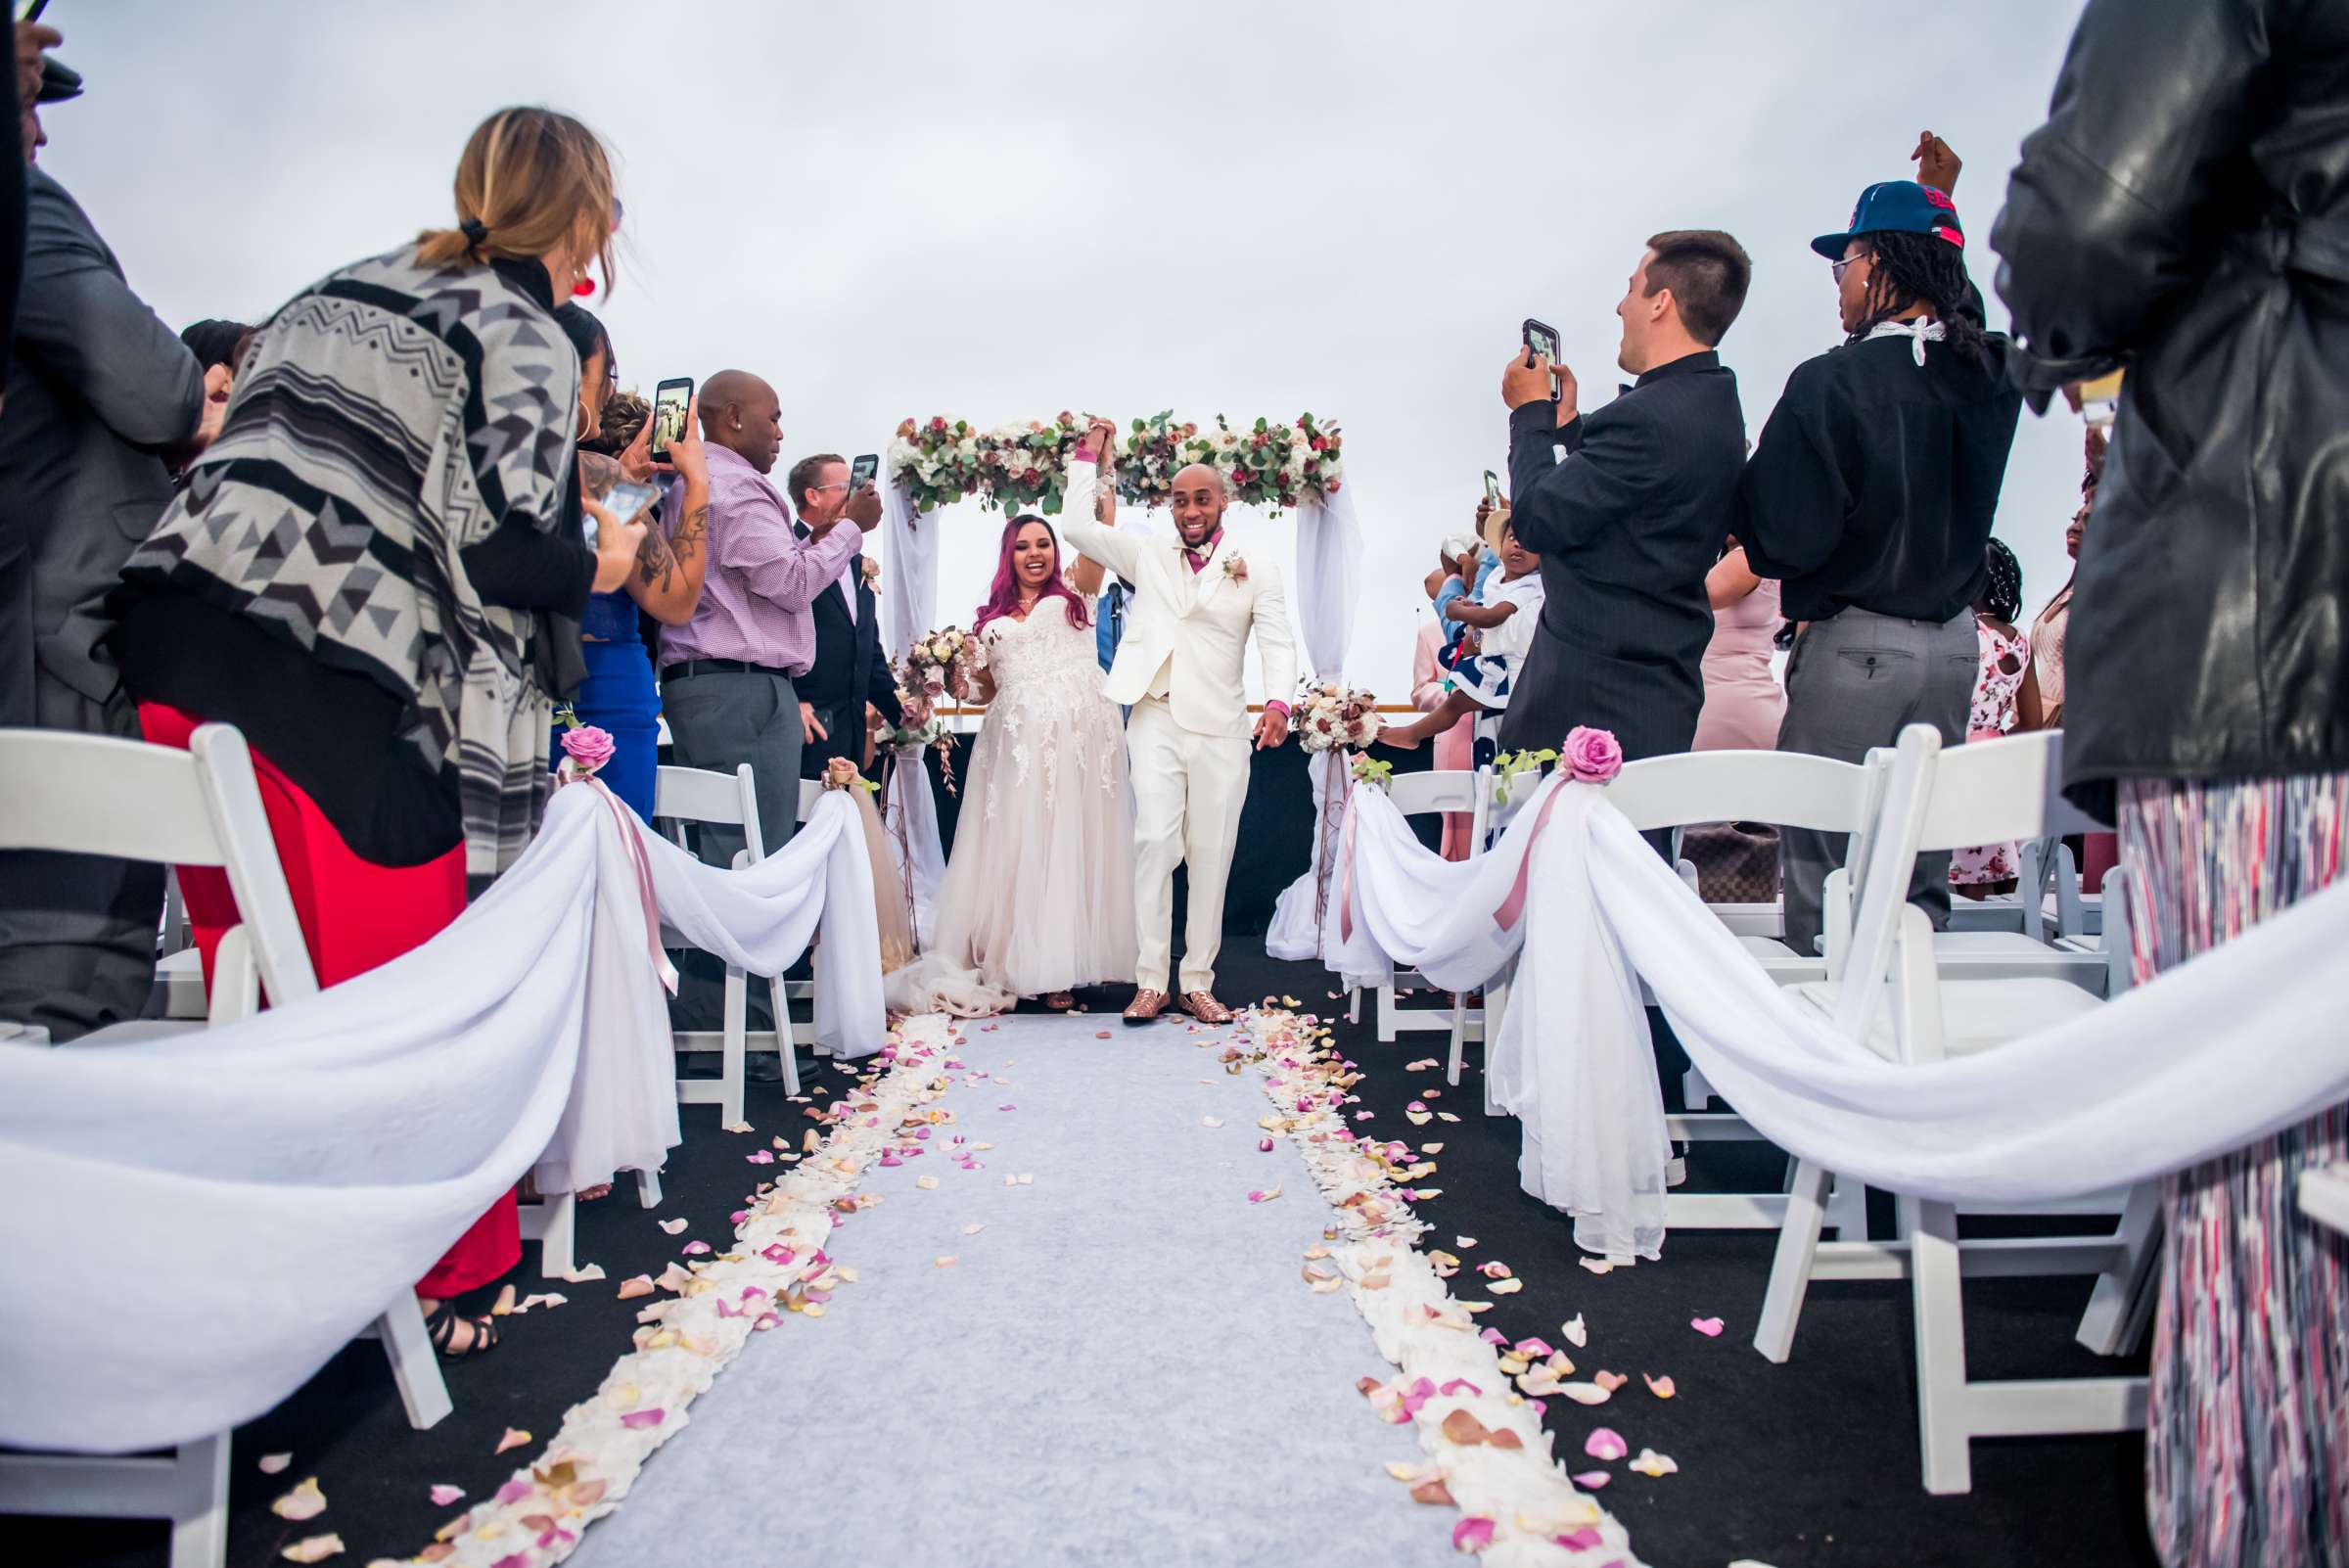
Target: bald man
{"x":1197,"y":599}
{"x":727,"y":675}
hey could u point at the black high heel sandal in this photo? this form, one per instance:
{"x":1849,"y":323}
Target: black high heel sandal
{"x":440,"y":1326}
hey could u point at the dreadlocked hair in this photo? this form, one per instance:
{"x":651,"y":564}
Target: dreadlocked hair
{"x":1905,"y":270}
{"x":2003,"y":591}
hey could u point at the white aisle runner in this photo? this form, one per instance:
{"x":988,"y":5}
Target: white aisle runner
{"x":1122,"y":1366}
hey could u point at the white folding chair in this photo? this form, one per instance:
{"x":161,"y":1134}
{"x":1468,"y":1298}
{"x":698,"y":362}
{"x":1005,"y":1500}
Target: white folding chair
{"x":684,"y":796}
{"x":94,"y":795}
{"x":1426,"y":793}
{"x":1887,"y":989}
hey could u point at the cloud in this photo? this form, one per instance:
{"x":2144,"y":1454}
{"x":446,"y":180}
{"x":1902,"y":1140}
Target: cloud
{"x":1000,"y":211}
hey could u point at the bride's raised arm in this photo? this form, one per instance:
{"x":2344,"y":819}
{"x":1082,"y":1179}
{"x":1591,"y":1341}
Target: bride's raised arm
{"x":1121,"y":552}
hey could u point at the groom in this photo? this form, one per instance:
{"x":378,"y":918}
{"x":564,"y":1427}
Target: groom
{"x":1195,"y":600}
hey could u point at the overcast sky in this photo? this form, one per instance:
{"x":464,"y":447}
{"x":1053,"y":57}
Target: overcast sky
{"x":1000,"y":211}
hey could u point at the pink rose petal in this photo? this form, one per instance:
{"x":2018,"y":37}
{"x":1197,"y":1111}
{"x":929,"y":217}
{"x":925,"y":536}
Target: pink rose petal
{"x":1710,"y":1327}
{"x":1582,"y":1540}
{"x":639,"y":1419}
{"x":1472,"y":1533}
{"x":514,"y":1491}
{"x":1592,"y":1480}
{"x":1457,"y":1384}
{"x":1606,"y":1444}
{"x":444,"y":1495}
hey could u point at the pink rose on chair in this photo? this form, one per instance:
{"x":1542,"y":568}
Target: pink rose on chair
{"x":1592,"y":756}
{"x":587,"y":747}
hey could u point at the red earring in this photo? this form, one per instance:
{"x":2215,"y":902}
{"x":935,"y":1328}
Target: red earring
{"x":584,"y":288}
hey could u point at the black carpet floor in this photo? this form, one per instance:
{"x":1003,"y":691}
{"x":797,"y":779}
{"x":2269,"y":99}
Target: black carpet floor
{"x":1815,"y":1463}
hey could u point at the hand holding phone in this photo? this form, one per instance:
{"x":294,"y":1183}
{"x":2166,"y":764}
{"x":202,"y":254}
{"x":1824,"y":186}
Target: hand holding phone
{"x":1492,"y":492}
{"x":670,"y":402}
{"x":624,"y":503}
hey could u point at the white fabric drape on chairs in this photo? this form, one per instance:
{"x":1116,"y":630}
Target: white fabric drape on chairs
{"x":910,"y":608}
{"x":2206,"y":1058}
{"x":1329,"y":558}
{"x":201,"y":1220}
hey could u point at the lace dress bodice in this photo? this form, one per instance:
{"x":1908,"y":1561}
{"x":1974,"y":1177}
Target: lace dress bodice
{"x":1047,"y":680}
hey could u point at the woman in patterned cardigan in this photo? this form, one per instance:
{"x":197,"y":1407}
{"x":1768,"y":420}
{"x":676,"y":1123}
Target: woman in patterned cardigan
{"x":365,"y":574}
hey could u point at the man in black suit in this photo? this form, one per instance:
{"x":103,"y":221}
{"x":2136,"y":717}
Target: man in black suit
{"x":849,"y":679}
{"x":1630,"y":523}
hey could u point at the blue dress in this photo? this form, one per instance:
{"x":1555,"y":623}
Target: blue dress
{"x":619,"y":695}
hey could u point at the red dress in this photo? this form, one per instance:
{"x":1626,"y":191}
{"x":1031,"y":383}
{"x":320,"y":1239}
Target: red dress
{"x":354,"y":915}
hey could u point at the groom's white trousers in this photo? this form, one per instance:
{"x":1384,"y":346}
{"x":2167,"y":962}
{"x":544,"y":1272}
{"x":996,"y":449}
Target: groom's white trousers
{"x":1188,"y":789}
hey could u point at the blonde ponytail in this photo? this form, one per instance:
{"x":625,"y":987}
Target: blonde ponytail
{"x":529,"y":181}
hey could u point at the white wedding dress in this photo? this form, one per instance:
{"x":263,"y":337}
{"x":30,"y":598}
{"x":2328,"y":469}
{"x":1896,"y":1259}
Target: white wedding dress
{"x":1038,"y":894}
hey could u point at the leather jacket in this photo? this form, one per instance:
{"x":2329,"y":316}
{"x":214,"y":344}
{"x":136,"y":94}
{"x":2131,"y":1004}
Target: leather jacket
{"x":2184,"y":213}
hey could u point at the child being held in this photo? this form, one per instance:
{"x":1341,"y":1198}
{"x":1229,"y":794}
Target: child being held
{"x":1499,"y":629}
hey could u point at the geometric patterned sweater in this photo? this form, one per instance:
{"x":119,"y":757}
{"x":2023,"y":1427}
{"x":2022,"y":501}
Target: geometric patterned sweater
{"x":387,"y":494}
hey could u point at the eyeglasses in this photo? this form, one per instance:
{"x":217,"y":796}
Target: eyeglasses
{"x":1839,"y":268}
{"x":836,"y":485}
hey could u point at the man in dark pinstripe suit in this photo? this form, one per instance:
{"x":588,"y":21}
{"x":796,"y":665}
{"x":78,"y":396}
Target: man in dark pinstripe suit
{"x":1632,"y":518}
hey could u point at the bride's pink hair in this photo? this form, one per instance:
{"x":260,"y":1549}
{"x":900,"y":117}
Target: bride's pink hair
{"x":1003,"y":596}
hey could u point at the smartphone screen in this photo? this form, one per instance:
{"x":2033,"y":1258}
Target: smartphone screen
{"x":669,"y":403}
{"x":1492,"y":491}
{"x":863,"y":470}
{"x":1541,"y":340}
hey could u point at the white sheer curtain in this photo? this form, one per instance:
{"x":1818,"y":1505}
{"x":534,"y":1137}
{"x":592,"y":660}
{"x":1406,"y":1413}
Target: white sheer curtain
{"x":221,"y":1211}
{"x":910,"y":608}
{"x":1330,"y":559}
{"x":2204,"y":1059}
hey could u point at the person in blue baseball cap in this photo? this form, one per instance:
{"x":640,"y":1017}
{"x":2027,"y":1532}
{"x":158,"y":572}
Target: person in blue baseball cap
{"x":1869,"y":496}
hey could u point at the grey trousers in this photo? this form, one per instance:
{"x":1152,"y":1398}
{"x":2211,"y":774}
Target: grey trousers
{"x":78,"y":932}
{"x":721,"y":718}
{"x":1854,"y":683}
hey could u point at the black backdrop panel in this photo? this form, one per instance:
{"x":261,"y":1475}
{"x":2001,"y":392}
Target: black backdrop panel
{"x":1276,"y":829}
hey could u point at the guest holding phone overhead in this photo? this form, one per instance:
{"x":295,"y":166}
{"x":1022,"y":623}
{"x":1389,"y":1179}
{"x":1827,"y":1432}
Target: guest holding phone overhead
{"x":619,"y":695}
{"x":849,"y":684}
{"x":1630,"y":522}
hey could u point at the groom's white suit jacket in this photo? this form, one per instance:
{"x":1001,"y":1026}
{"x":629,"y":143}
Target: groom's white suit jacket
{"x":1193,"y":626}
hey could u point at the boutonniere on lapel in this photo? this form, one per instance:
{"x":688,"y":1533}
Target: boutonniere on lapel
{"x":871,"y":569}
{"x":1235,"y":568}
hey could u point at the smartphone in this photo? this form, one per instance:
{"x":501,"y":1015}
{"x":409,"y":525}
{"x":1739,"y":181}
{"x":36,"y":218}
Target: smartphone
{"x":671,"y":400}
{"x":626,"y":500}
{"x":863,"y":470}
{"x":1542,"y":342}
{"x":1492,"y":491}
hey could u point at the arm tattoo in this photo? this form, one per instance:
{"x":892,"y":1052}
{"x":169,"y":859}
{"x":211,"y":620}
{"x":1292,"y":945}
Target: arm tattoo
{"x":653,"y":561}
{"x":688,"y":538}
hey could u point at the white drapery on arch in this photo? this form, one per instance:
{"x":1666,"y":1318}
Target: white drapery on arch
{"x":1329,"y":553}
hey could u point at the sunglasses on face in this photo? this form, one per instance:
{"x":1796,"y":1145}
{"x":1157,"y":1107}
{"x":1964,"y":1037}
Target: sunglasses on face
{"x":1839,"y":268}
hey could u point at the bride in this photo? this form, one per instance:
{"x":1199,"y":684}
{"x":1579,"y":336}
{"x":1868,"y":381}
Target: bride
{"x":1037,"y":898}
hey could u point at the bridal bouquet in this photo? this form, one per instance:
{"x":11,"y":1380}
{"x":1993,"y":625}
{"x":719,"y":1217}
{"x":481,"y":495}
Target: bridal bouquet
{"x":1329,"y":714}
{"x":926,"y":675}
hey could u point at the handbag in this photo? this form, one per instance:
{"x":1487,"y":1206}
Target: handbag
{"x":1736,"y":863}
